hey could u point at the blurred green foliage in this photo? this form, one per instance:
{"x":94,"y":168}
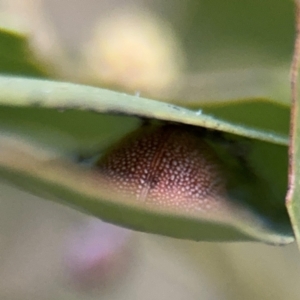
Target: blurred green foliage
{"x":16,"y":57}
{"x":235,"y":34}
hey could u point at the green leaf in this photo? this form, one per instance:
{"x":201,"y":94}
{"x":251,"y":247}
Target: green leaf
{"x":37,"y":110}
{"x":16,"y":57}
{"x":261,"y":114}
{"x":23,"y":92}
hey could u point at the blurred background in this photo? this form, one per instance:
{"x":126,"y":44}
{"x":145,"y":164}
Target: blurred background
{"x":167,"y":50}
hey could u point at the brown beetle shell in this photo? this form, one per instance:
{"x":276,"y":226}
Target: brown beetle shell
{"x":168,"y":166}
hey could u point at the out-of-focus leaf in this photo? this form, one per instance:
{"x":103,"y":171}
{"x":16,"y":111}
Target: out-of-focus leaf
{"x":16,"y":57}
{"x":230,"y":85}
{"x":238,"y":34}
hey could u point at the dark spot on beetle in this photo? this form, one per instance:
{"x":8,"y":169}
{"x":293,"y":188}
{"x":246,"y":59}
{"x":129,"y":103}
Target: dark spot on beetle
{"x":153,"y":182}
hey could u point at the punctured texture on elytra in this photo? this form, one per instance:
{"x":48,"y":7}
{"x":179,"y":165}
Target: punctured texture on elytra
{"x":168,"y":166}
